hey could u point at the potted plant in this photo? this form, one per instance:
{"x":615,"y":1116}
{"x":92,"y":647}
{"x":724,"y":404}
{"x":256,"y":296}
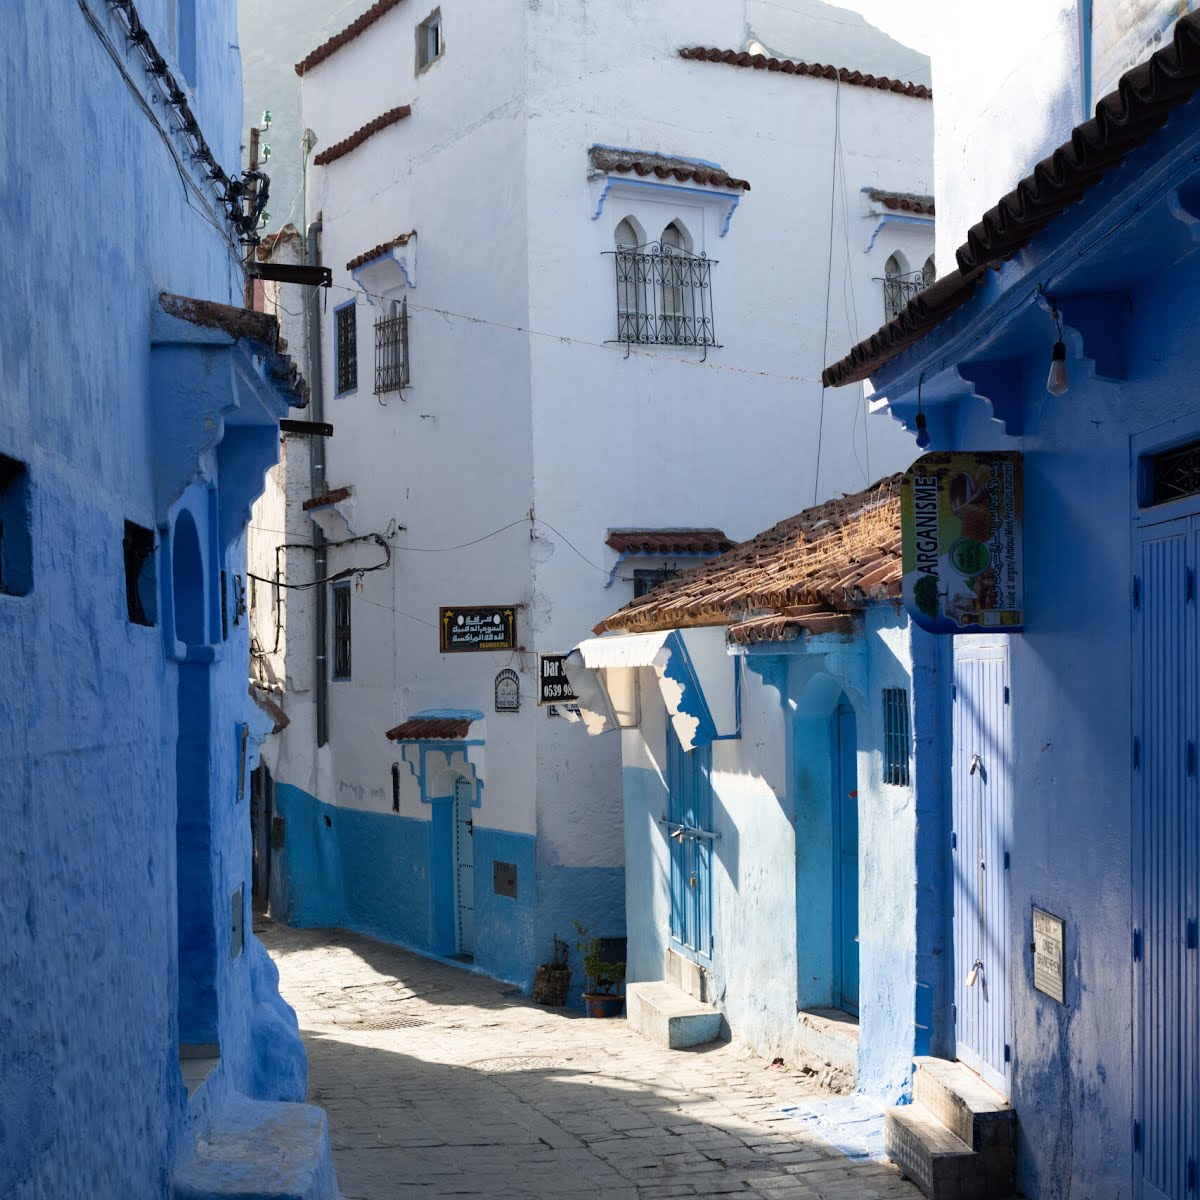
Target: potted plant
{"x":602,"y":977}
{"x":552,"y":979}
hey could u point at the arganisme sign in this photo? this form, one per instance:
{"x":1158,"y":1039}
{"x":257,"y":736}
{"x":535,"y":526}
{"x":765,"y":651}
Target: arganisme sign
{"x":961,"y":534}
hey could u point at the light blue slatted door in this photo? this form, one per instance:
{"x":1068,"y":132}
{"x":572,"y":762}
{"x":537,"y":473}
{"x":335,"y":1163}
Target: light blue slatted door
{"x":689,"y":829}
{"x":982,"y":803}
{"x":1165,"y":858}
{"x":846,"y":854}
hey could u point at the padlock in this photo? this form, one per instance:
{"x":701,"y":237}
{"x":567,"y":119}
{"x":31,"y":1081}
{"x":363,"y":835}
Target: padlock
{"x":975,"y":969}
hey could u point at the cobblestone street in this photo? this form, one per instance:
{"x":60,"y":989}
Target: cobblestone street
{"x":440,"y":1082}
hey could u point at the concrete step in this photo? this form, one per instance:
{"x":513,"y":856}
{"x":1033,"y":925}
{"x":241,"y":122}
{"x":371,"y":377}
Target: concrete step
{"x":943,"y":1166}
{"x":968,"y":1107}
{"x":670,"y":1017}
{"x":260,"y":1149}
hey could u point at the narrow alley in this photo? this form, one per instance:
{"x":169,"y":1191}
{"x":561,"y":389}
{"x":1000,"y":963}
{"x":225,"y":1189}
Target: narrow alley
{"x":440,"y":1082}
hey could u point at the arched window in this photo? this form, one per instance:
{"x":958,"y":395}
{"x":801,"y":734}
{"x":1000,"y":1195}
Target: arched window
{"x":896,"y":286}
{"x":631,"y":293}
{"x":928,"y":272}
{"x":673,"y":280}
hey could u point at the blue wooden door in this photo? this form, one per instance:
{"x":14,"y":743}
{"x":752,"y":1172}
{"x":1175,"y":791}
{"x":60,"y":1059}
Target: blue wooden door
{"x":845,"y":819}
{"x":464,"y":868}
{"x":1166,"y":1013}
{"x":689,"y":829}
{"x":982,"y":803}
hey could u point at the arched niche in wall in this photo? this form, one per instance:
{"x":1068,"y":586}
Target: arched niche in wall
{"x":187,"y":580}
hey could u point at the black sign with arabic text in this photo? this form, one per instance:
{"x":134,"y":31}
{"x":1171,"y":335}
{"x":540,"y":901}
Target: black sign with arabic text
{"x":463,"y":629}
{"x":553,"y":686}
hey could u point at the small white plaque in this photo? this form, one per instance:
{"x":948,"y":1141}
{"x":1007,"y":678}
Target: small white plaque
{"x":1049,"y":972}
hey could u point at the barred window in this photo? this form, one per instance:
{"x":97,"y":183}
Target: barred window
{"x":896,"y":737}
{"x":345,"y":348}
{"x":664,"y":291}
{"x":341,"y":630}
{"x":391,"y":349}
{"x":1173,"y":474}
{"x":900,"y":286}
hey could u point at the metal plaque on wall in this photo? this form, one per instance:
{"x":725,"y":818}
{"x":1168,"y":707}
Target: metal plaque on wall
{"x":504,"y":878}
{"x":1049,"y":970}
{"x":553,"y":687}
{"x":465,"y":629}
{"x":508,"y":691}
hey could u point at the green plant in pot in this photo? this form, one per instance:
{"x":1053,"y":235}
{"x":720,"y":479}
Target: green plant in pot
{"x":603,"y":977}
{"x":552,"y":980}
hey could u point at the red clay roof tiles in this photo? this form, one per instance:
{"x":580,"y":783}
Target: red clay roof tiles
{"x":335,"y":43}
{"x":903,"y":201}
{"x":787,"y":66}
{"x":356,"y":139}
{"x":326,"y":499}
{"x":431,"y":729}
{"x":812,"y":571}
{"x":669,"y":541}
{"x":379,"y":251}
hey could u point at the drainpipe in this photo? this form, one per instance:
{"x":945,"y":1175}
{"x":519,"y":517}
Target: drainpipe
{"x":316,"y":463}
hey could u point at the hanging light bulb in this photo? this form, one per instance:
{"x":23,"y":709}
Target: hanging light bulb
{"x":924,"y":441}
{"x":1057,"y":382}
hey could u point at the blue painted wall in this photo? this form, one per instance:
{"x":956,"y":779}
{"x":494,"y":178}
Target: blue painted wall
{"x":1072,"y":1072}
{"x":774,"y":862}
{"x":91,"y":1097}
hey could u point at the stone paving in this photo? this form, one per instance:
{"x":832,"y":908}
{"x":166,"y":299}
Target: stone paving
{"x":441,"y":1082}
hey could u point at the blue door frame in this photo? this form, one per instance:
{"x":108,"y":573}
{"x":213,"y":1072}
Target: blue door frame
{"x":845,"y":857}
{"x":689,"y":830}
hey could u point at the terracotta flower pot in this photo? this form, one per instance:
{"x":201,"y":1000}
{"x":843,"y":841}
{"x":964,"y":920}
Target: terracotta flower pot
{"x":603,"y":1004}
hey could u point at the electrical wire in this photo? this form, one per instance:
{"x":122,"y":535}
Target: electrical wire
{"x":837,"y":116}
{"x":345,"y":573}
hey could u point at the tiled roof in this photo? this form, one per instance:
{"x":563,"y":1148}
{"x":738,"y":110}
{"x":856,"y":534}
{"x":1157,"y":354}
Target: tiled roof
{"x":271,"y":708}
{"x":1124,"y":119}
{"x":662,"y":166}
{"x":241,"y":323}
{"x":669,"y":541}
{"x":335,"y":43}
{"x":431,"y":729}
{"x":760,"y":62}
{"x":356,"y":139}
{"x":379,"y":251}
{"x":328,"y":498}
{"x":808,"y":572}
{"x":903,"y":201}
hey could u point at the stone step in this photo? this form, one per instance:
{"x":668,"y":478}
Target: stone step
{"x":943,"y":1166}
{"x":670,"y":1017}
{"x":968,"y":1107}
{"x":260,"y":1149}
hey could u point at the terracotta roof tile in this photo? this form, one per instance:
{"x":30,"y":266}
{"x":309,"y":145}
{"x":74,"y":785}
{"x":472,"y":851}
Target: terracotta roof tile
{"x":669,"y":541}
{"x":662,"y":166}
{"x":1124,"y":120}
{"x":356,"y":139}
{"x":335,"y":43}
{"x":903,"y":201}
{"x":379,"y":251}
{"x":787,"y":66}
{"x":323,"y":501}
{"x":809,"y":572}
{"x":431,"y":729}
{"x":241,"y":323}
{"x":271,"y":708}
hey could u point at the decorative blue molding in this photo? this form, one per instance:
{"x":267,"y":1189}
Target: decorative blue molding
{"x":707,"y":196}
{"x":898,"y":219}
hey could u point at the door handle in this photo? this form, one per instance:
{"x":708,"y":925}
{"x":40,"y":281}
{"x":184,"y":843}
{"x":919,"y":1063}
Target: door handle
{"x":975,"y":764}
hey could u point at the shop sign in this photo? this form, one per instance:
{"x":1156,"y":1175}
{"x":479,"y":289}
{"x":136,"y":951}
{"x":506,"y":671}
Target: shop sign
{"x":508,"y":691}
{"x":1049,"y":971}
{"x":462,"y":629}
{"x":961,"y":534}
{"x":553,"y":687}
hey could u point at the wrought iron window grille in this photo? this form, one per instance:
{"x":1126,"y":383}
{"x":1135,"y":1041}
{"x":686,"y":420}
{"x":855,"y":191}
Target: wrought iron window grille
{"x":664,"y":296}
{"x":898,"y":290}
{"x":1173,"y":474}
{"x":341,"y":630}
{"x":896,"y":736}
{"x":391,"y":351}
{"x":345,"y":329}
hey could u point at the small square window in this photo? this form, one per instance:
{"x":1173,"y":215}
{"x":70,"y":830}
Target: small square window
{"x":141,"y":585}
{"x":341,"y":630}
{"x":429,"y":40}
{"x":345,"y":347}
{"x":896,"y":737}
{"x":16,"y":520}
{"x":646,"y":579}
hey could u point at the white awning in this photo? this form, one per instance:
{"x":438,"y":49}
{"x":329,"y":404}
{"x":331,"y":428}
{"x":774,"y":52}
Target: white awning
{"x":696,"y":677}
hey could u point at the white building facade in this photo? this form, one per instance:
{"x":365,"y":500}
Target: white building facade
{"x":585,"y":268}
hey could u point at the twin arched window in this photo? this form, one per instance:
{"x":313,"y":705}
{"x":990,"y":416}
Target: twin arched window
{"x":900,"y":285}
{"x":663,"y":288}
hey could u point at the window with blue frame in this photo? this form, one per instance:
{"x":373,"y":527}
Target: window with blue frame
{"x":341,"y":630}
{"x":345,"y":347}
{"x":141,"y":585}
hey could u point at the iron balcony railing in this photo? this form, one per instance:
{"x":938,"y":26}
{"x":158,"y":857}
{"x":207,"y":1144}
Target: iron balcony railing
{"x":664,"y":296}
{"x":898,"y":290}
{"x":391,"y":351}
